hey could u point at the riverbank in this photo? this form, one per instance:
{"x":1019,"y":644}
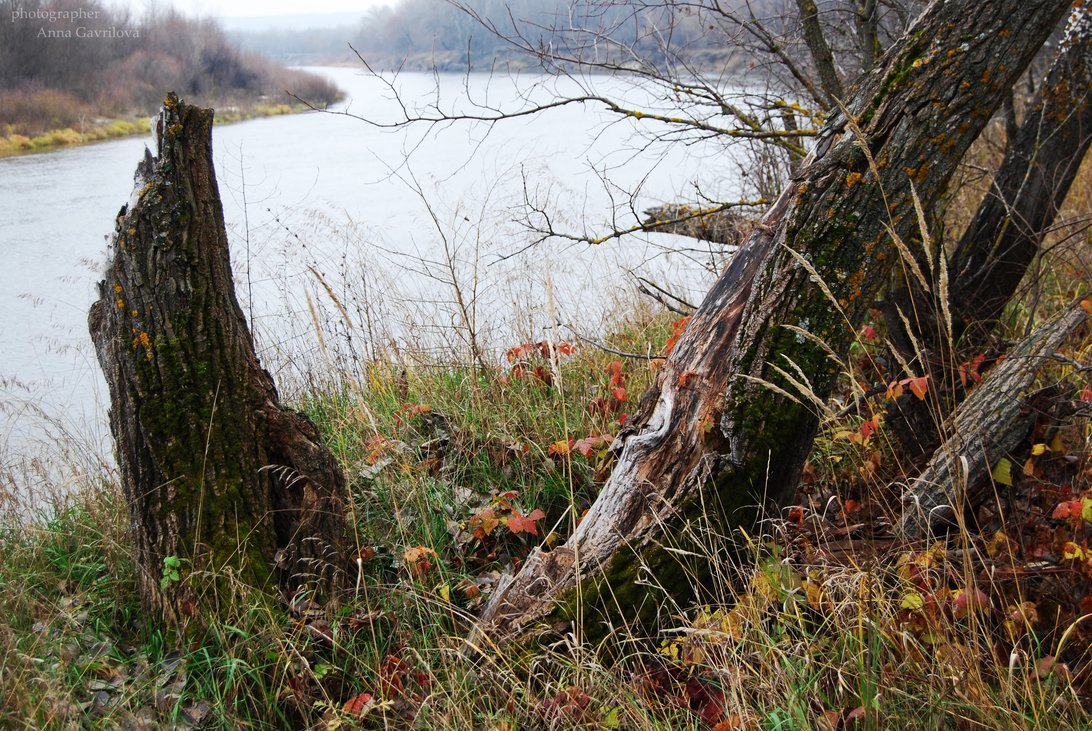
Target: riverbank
{"x":456,"y":475}
{"x":102,"y":130}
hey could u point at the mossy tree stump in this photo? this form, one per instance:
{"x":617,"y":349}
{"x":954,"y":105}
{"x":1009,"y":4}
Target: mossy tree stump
{"x":225,"y":486}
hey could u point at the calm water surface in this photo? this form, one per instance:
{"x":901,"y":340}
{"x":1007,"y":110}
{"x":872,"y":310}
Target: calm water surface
{"x":319,"y":200}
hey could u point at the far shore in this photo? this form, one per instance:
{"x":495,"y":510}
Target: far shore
{"x":102,"y":130}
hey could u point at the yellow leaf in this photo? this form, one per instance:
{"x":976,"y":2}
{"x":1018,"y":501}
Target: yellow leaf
{"x":1086,"y":509}
{"x":445,"y":593}
{"x":1072,"y":550}
{"x":561,"y":446}
{"x":814,"y":594}
{"x":1038,"y":449}
{"x":912,"y":601}
{"x":1002,"y":472}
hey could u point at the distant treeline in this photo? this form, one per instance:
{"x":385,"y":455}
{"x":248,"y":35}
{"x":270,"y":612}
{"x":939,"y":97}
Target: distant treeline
{"x":451,"y":35}
{"x":64,"y":63}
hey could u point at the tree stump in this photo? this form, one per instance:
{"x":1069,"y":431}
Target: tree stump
{"x":225,"y":487}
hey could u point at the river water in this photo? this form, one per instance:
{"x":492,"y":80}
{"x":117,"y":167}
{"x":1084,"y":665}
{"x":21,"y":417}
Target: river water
{"x":347,"y":237}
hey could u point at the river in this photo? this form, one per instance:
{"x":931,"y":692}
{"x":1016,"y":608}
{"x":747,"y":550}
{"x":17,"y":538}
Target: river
{"x":356,"y":232}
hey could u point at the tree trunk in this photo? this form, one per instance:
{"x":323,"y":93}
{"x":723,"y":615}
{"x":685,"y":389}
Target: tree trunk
{"x":820,"y":51}
{"x":1005,"y":235}
{"x":223,"y":484}
{"x":988,"y":426}
{"x":731,"y":418}
{"x":1028,"y":191}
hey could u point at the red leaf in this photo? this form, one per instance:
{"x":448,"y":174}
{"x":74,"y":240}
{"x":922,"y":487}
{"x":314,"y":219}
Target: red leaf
{"x":677,"y":328}
{"x":919,"y":387}
{"x":868,"y":332}
{"x":357,"y":705}
{"x":1068,"y":510}
{"x":588,"y":446}
{"x":686,"y":376}
{"x":519,"y":523}
{"x":619,"y":393}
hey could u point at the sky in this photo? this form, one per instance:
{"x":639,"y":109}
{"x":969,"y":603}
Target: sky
{"x":245,"y":8}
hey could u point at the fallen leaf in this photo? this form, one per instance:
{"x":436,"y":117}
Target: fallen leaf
{"x":1002,"y":472}
{"x":358,"y":706}
{"x":912,"y":601}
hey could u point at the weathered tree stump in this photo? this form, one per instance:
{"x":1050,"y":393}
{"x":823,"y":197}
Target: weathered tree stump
{"x":224,"y":485}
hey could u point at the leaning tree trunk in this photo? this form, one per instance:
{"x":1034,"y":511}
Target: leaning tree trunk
{"x":1005,"y":235}
{"x":223,"y":484}
{"x":1033,"y":181}
{"x":987,"y":427}
{"x":733,"y":412}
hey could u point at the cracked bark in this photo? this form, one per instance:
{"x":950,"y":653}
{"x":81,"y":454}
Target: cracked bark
{"x":215,"y":471}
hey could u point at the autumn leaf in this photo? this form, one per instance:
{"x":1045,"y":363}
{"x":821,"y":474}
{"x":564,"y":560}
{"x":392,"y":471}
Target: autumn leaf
{"x":483,"y":523}
{"x":972,"y":599}
{"x":418,"y":559}
{"x":919,"y":387}
{"x":677,"y":328}
{"x":912,"y":601}
{"x":1002,"y":472}
{"x":1069,"y":510}
{"x":1038,"y":449}
{"x":614,"y":368}
{"x":588,"y":446}
{"x":560,"y":448}
{"x":894,"y":391}
{"x":1071,"y":551}
{"x":358,"y":706}
{"x":518,"y":523}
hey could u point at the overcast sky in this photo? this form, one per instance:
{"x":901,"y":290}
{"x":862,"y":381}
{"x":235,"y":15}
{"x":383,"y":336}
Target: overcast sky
{"x":243,"y":8}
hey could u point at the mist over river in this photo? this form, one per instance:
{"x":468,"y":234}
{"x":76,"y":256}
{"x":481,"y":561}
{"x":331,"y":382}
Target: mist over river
{"x":356,"y":231}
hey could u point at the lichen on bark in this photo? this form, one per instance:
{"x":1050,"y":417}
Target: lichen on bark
{"x":217,"y":475}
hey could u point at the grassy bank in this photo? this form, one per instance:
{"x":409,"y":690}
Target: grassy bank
{"x":822,"y":622}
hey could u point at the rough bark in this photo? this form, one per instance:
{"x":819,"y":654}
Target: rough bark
{"x":1029,"y":188}
{"x":712,"y":440}
{"x":216,"y":473}
{"x":993,"y":422}
{"x":1005,"y":235}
